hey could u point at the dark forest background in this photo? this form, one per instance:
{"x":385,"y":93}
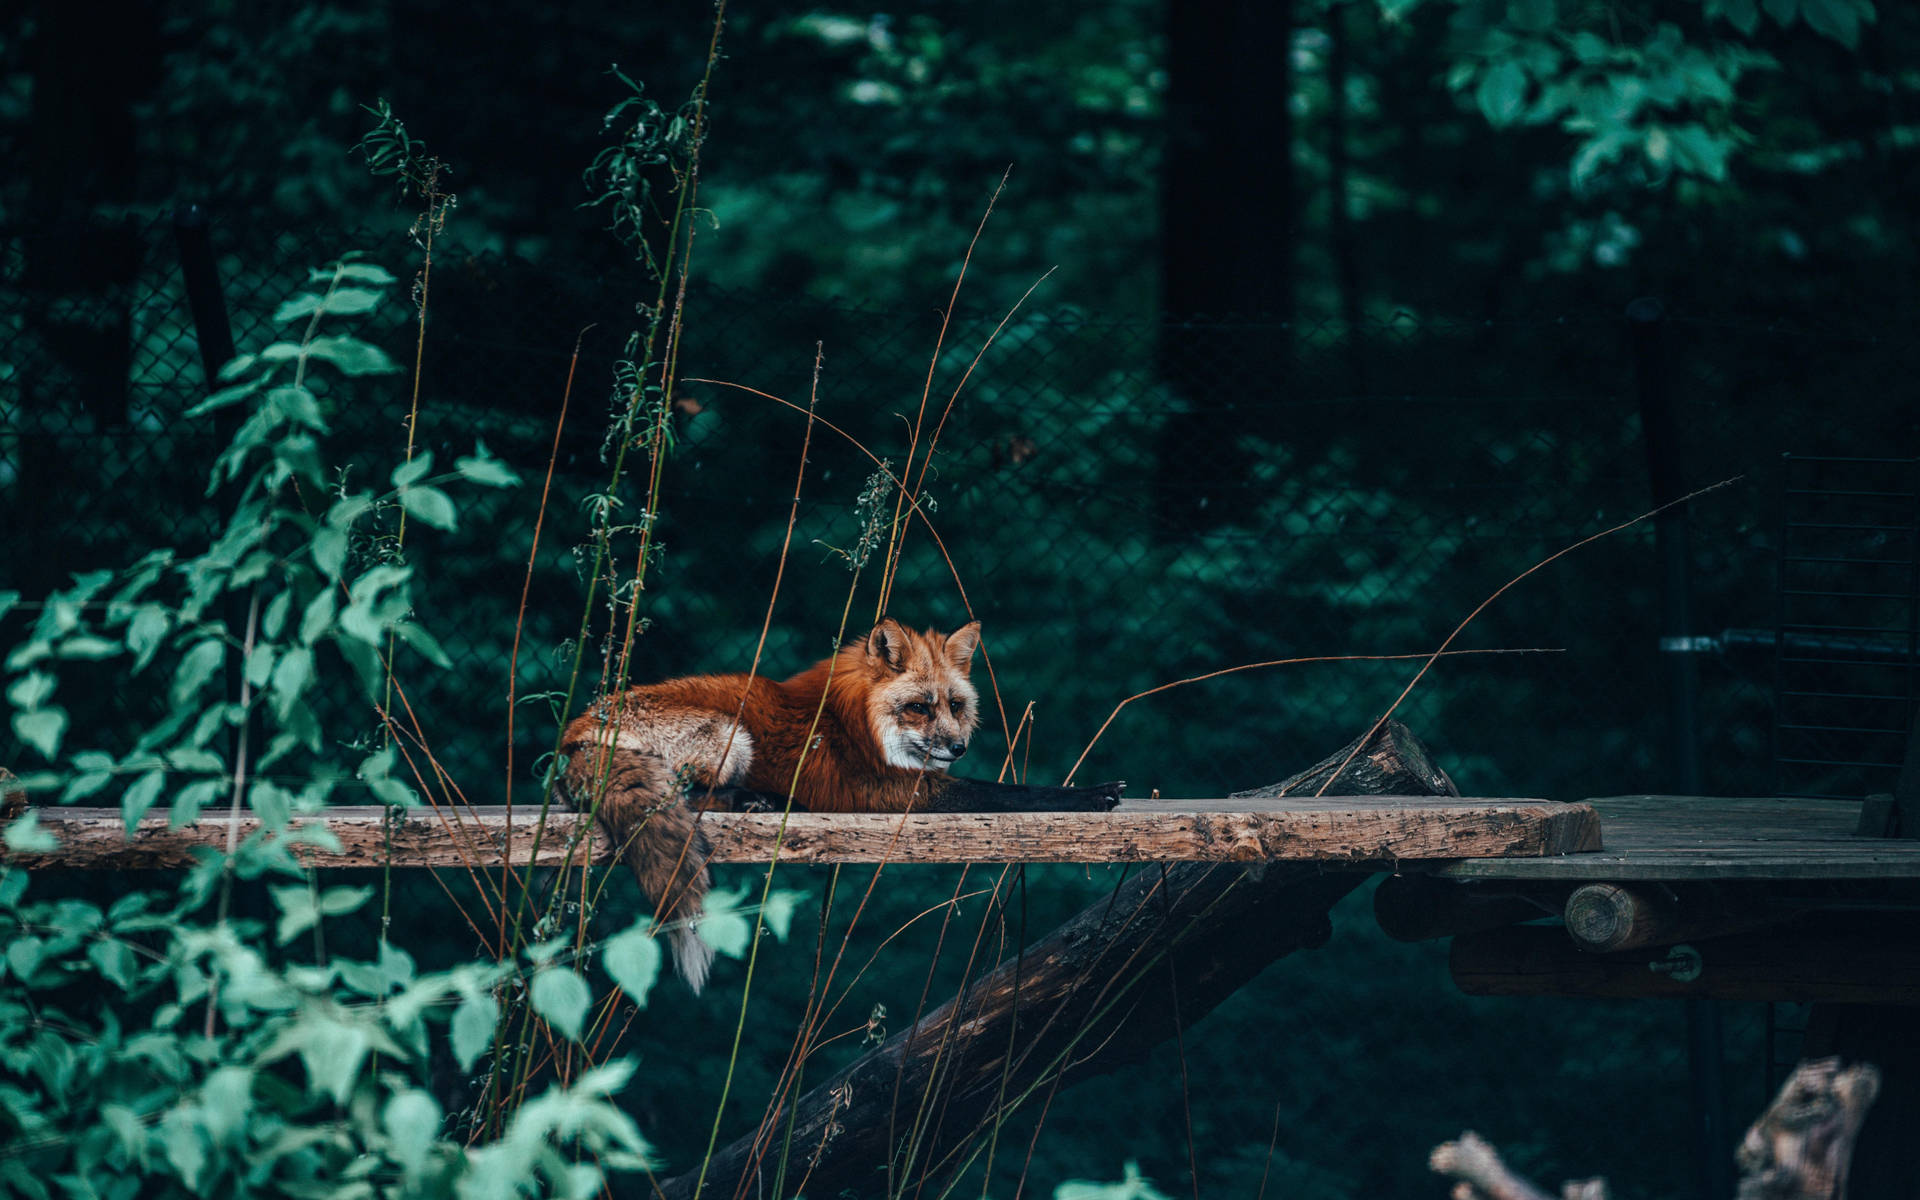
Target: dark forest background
{"x":1330,"y":339}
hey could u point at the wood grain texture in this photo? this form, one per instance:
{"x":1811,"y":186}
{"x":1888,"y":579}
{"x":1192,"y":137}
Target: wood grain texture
{"x":1717,"y":838}
{"x":1349,"y":829}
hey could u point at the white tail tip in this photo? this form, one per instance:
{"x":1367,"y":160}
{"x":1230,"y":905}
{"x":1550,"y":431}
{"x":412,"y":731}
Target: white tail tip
{"x":691,"y":956}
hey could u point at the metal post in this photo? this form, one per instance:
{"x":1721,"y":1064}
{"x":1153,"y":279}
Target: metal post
{"x":201,"y":277}
{"x":1713,"y":1151}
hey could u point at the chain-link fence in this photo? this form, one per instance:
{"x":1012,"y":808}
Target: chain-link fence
{"x":1125,"y":503}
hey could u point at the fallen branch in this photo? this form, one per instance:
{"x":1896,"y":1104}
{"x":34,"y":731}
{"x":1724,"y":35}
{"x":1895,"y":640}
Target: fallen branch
{"x":1091,"y":995}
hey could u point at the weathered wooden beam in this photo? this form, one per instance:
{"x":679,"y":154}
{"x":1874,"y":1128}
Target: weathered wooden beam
{"x":1418,"y":908}
{"x":96,"y":838}
{"x":1124,"y":975}
{"x":1716,"y":838}
{"x":1367,"y":829}
{"x":1838,"y":958}
{"x":1604,"y":918}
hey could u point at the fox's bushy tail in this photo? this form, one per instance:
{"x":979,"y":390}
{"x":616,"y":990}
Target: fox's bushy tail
{"x":657,"y":834}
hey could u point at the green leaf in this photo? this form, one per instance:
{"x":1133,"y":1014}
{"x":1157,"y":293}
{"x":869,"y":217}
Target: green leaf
{"x":429,"y":504}
{"x":632,"y":959}
{"x":1743,"y":15}
{"x":290,"y":679}
{"x":1836,"y":19}
{"x":562,"y":997}
{"x":297,"y":406}
{"x":115,"y":961}
{"x":339,"y":901}
{"x":42,"y":729}
{"x":8,"y":598}
{"x":24,"y":835}
{"x":485,"y":470}
{"x":358,"y":272}
{"x":724,"y":926}
{"x":225,"y":1100}
{"x":1534,"y":16}
{"x":85,"y":785}
{"x":340,"y":301}
{"x":318,"y":618}
{"x":472,"y":1030}
{"x":273,"y":804}
{"x":88,"y":648}
{"x":274,"y":619}
{"x":227,"y":396}
{"x":375,"y":601}
{"x":329,"y":551}
{"x":393,"y":793}
{"x":180,"y":1133}
{"x":259,"y":665}
{"x":127,"y":1129}
{"x":191,"y":799}
{"x":32,"y":690}
{"x":140,"y":797}
{"x":24,"y":954}
{"x":332,"y":1052}
{"x":347,"y":510}
{"x":412,"y":1123}
{"x":298,"y":911}
{"x":1502,"y":94}
{"x":379,"y":764}
{"x":145,"y":633}
{"x":778,"y":911}
{"x":196,"y":668}
{"x":352,"y":356}
{"x":1782,"y":11}
{"x":303,"y":305}
{"x":413,"y":470}
{"x":417,"y":637}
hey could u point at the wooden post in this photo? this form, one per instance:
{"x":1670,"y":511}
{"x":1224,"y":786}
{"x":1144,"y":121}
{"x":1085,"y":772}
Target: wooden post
{"x":1607,"y":917}
{"x":1104,"y":988}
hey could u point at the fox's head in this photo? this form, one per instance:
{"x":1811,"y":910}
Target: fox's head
{"x":922,"y":708}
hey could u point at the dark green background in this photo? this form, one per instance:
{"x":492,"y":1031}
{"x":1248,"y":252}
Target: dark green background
{"x":1306,"y":378}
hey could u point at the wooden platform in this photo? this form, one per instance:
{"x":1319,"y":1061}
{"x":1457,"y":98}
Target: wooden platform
{"x":1676,"y":838}
{"x":1350,"y":830}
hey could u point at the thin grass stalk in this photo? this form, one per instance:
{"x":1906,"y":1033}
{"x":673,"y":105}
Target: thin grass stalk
{"x":519,"y":626}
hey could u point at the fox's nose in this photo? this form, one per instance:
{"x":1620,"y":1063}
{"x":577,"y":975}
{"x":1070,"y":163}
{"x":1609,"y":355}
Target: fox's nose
{"x":957,"y":748}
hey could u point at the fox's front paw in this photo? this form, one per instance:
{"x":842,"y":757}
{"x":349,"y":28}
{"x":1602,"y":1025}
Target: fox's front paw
{"x":1105,"y":796}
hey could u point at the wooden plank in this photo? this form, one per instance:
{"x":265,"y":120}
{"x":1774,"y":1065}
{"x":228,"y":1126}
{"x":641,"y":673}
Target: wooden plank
{"x":1353,"y":829}
{"x":1717,"y":838}
{"x":95,"y":838}
{"x":1356,"y":829}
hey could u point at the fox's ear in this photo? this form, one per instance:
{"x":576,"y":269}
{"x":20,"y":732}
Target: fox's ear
{"x":961,"y":644}
{"x":888,"y":644}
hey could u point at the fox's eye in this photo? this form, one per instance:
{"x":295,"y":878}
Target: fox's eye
{"x":958,"y":708}
{"x":918,"y":709}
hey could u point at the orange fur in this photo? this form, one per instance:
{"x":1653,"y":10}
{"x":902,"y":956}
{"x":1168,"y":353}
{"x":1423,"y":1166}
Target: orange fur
{"x":871,"y":729}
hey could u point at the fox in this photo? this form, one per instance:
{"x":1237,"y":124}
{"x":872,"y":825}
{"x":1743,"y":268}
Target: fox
{"x":873,"y":727}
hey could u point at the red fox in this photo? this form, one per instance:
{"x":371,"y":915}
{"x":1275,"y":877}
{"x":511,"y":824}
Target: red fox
{"x":898,"y":711}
